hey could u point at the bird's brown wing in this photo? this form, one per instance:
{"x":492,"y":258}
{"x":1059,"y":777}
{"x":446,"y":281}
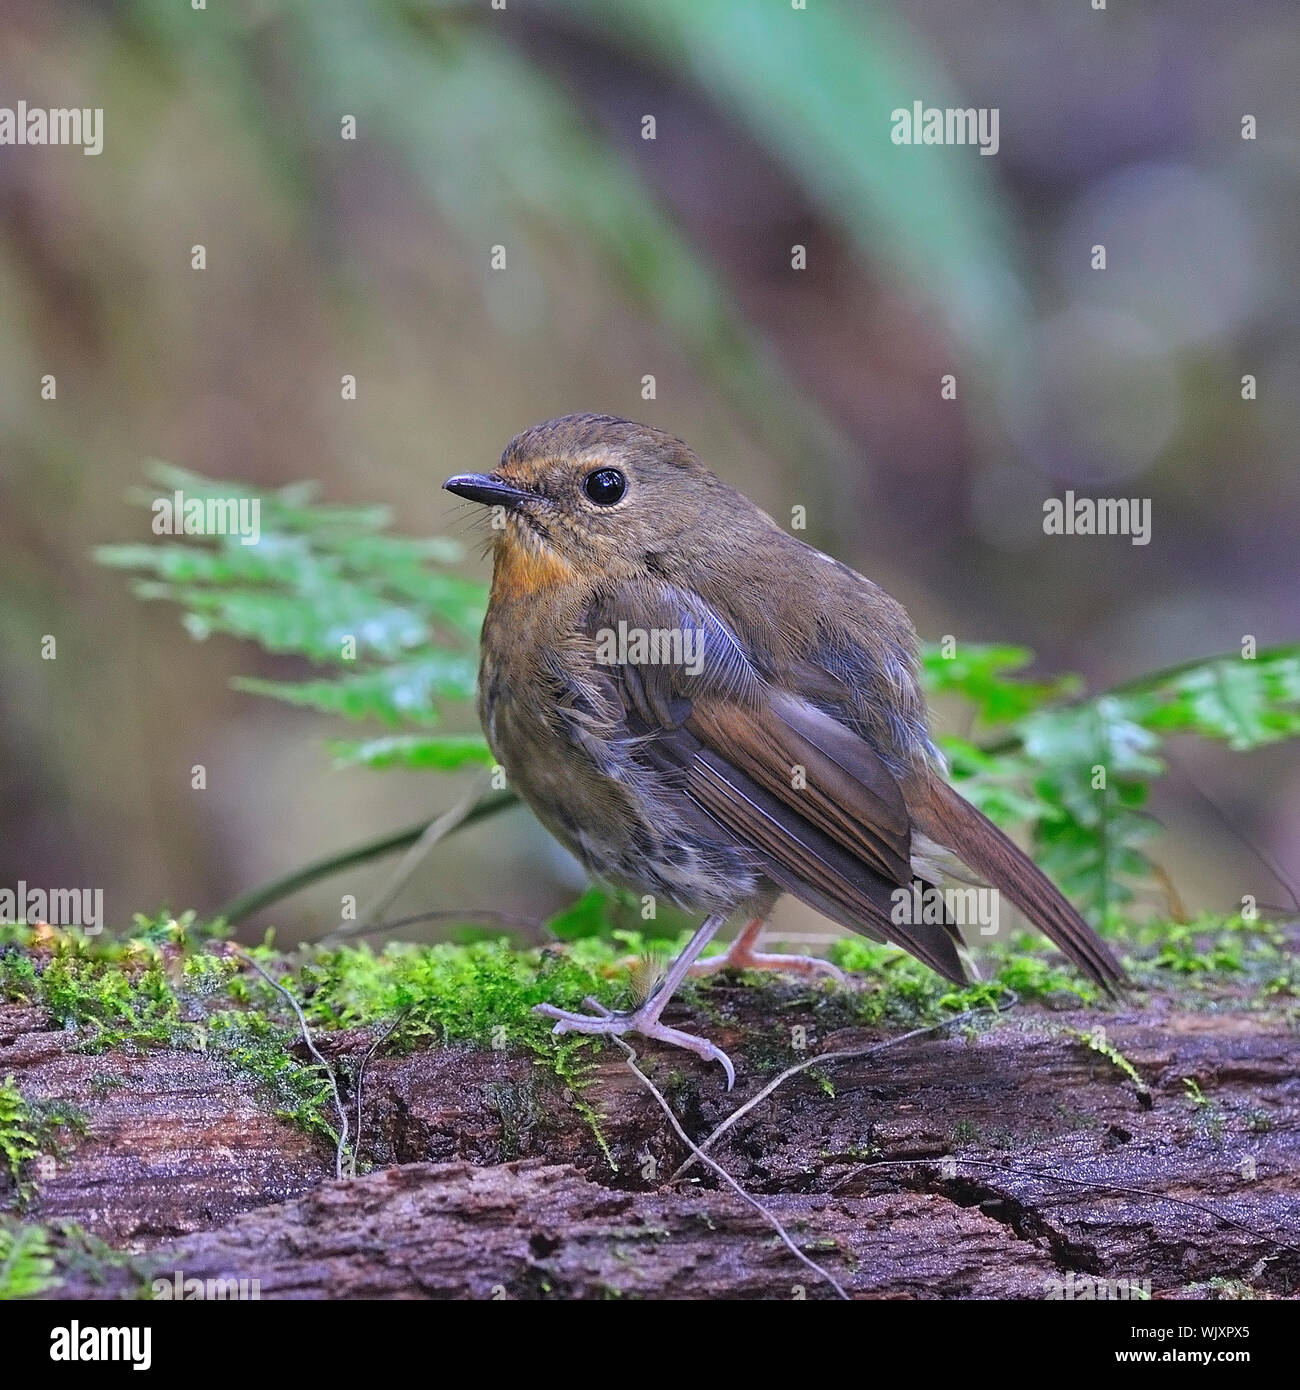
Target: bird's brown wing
{"x":809,"y":798}
{"x":947,"y":818}
{"x":817,"y":769}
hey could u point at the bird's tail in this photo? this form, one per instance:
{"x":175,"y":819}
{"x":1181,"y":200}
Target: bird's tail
{"x":953,"y":822}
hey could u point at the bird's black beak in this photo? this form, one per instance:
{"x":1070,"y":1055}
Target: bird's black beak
{"x":483,"y":487}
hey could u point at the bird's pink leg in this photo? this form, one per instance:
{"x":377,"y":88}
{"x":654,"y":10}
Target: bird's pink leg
{"x":741,"y":955}
{"x":645,"y":1018}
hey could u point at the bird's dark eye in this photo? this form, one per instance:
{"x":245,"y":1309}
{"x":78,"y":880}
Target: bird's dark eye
{"x":605,"y":486}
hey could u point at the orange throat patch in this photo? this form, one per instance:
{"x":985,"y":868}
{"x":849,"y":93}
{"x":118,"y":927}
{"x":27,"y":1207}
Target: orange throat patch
{"x":525,"y":566}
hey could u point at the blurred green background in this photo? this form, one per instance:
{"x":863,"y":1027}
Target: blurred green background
{"x":629,"y":258}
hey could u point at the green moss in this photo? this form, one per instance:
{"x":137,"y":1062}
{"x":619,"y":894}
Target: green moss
{"x":79,"y":1253}
{"x":1210,"y":1118}
{"x":184,"y":933}
{"x":682,"y":1092}
{"x":1211,"y":951}
{"x":824,"y":1083}
{"x":1032,"y":977}
{"x":900,"y":991}
{"x":116,"y":992}
{"x":259,"y":1047}
{"x":175,"y":983}
{"x":56,"y":1120}
{"x":165,"y":985}
{"x":1231,"y":1290}
{"x":26,"y":1261}
{"x":1097,"y":1041}
{"x":482,"y":993}
{"x":574,"y":1072}
{"x":103,"y":1083}
{"x":1214,"y":945}
{"x":29,"y":1128}
{"x":18,"y":1138}
{"x":205,"y":976}
{"x":768,"y":1051}
{"x":35,"y":1259}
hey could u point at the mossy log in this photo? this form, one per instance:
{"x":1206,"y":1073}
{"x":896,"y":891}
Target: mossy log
{"x":991,"y":1161}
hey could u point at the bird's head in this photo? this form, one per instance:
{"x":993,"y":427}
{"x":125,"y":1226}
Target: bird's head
{"x":597,"y":495}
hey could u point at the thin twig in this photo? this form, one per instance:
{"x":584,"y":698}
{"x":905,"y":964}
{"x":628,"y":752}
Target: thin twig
{"x":257,"y":898}
{"x":738,"y":1114}
{"x":844,"y":1056}
{"x":311,"y":1047}
{"x":770,"y":1217}
{"x":361,"y":1074}
{"x":471,"y":914}
{"x":442,"y":826}
{"x":1235,"y":830}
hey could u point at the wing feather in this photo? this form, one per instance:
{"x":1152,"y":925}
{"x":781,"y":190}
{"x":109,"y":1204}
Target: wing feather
{"x":807,"y":797}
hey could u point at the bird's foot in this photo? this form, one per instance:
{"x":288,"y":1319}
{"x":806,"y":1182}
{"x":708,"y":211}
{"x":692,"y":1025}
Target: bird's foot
{"x":643,"y":1020}
{"x":740,"y":955}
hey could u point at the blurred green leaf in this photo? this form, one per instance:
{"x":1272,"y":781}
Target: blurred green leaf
{"x":1247,"y":702}
{"x":331,"y":584}
{"x":26,"y":1261}
{"x":985,"y":675}
{"x":590,"y":915}
{"x":407,"y":692}
{"x":413,"y":752}
{"x":1000,"y":785}
{"x":1077,"y":776}
{"x":1090,"y":763}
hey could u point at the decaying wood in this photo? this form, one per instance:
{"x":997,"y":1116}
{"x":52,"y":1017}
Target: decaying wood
{"x":487,"y":1181}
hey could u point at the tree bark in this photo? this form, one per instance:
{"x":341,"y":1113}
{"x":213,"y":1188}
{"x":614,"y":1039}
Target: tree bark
{"x":999,"y":1162}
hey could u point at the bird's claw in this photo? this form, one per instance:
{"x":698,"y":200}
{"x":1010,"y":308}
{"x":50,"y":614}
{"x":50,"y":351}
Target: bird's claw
{"x":732,"y":959}
{"x":644,"y":1021}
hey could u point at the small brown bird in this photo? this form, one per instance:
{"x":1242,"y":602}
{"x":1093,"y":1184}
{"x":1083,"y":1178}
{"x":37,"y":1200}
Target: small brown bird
{"x":704,"y":708}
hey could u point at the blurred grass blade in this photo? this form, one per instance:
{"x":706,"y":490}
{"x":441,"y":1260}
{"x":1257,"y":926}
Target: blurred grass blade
{"x":817,"y":87}
{"x":500,"y":154}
